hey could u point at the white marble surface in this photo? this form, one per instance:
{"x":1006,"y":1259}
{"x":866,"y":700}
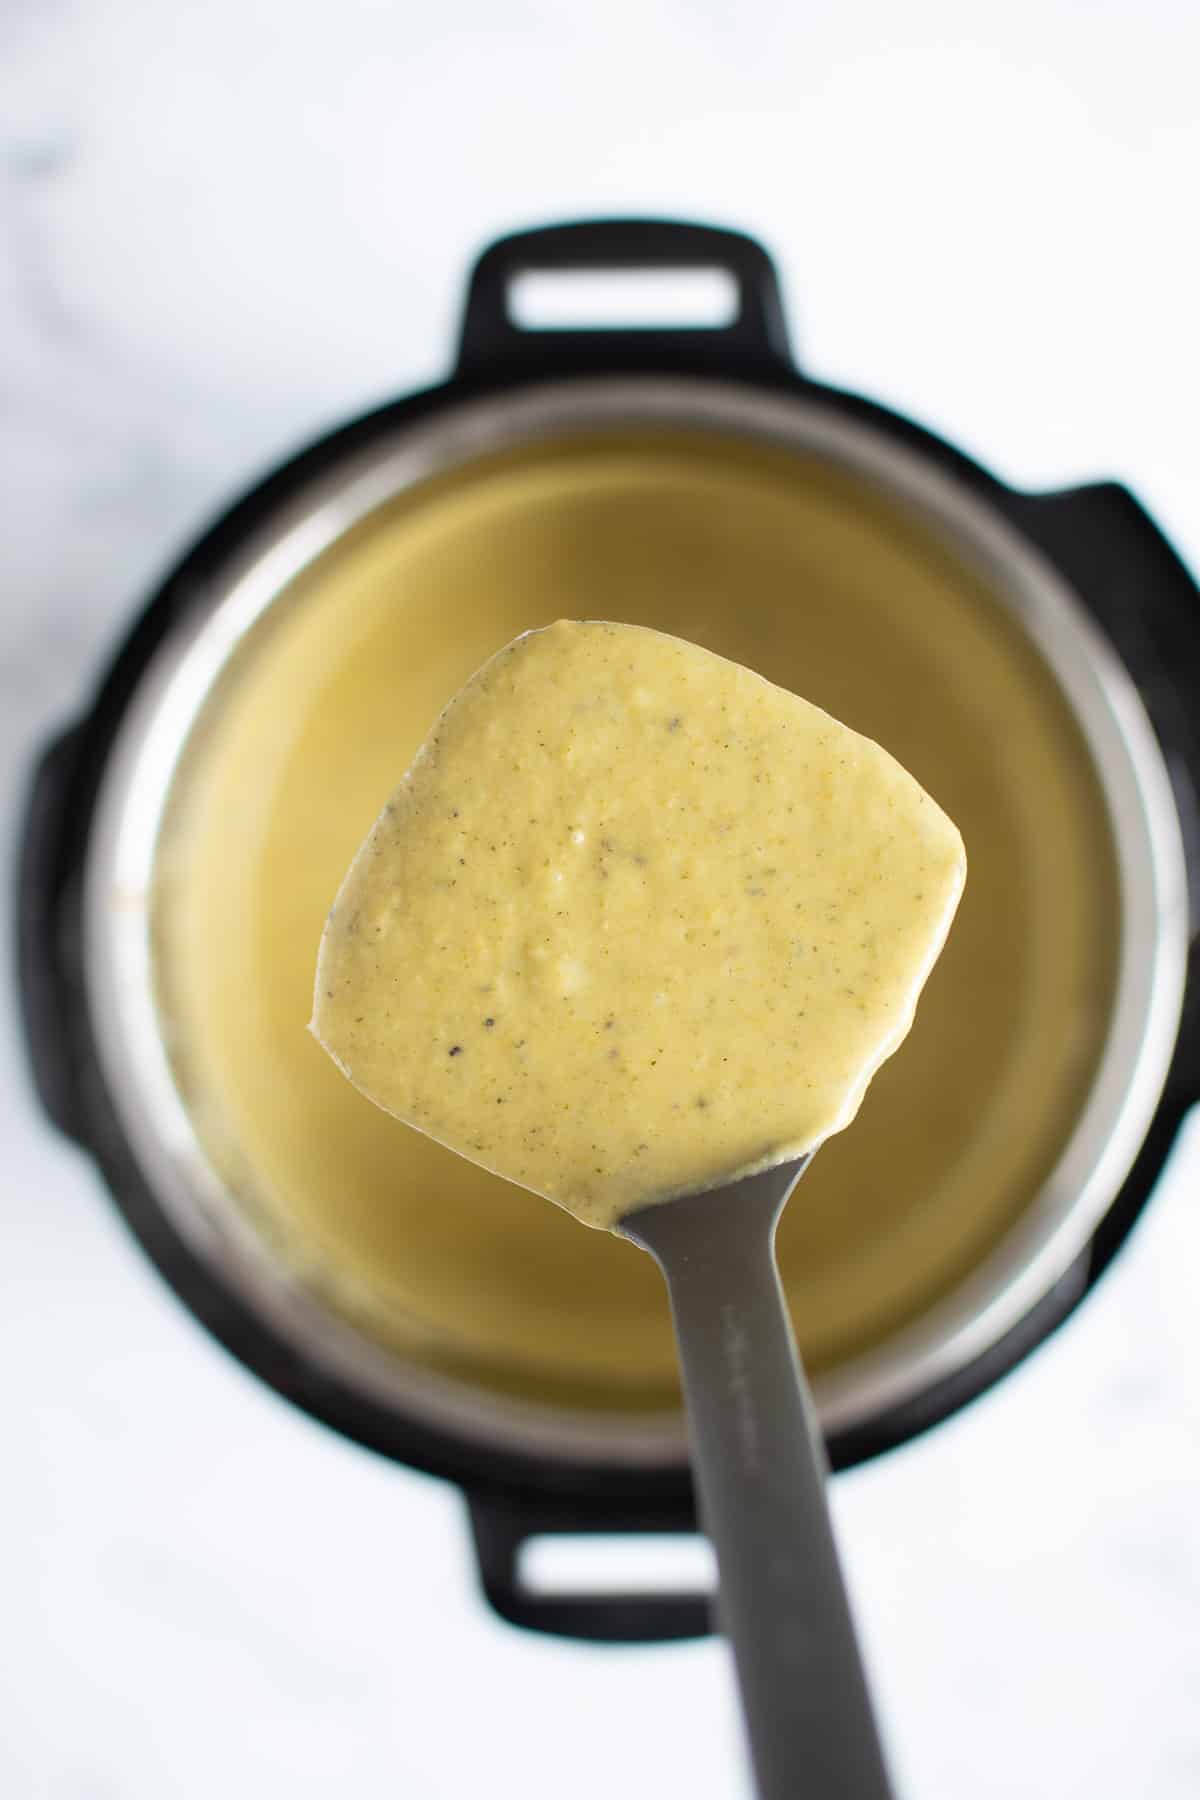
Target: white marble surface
{"x":227,"y":225}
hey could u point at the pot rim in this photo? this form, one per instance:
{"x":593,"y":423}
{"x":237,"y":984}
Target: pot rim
{"x":1028,"y":1261}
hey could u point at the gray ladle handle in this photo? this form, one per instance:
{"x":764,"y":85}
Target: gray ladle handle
{"x":759,"y":1467}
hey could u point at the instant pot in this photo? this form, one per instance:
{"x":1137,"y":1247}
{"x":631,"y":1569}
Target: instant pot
{"x":1112,"y":613}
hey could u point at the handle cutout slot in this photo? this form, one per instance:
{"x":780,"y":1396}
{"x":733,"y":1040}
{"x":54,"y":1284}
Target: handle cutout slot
{"x":699,"y":299}
{"x":569,"y":1563}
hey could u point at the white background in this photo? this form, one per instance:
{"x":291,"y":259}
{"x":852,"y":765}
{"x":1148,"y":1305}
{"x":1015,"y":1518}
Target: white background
{"x":229,"y":224}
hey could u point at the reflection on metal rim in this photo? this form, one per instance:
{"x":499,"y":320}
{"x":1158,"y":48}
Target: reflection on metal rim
{"x":1050,"y":1235}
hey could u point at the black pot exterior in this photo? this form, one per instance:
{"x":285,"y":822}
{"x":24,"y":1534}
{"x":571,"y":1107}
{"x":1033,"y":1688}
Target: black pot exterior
{"x":1099,"y":538}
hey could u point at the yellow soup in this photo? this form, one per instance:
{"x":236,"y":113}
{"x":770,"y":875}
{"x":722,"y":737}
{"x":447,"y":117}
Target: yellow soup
{"x":771,"y":559}
{"x":634,"y":923}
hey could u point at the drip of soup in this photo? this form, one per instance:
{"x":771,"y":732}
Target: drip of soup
{"x":635,"y":922}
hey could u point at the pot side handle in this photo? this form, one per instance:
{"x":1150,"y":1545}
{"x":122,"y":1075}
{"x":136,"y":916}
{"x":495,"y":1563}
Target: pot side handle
{"x":46,"y":957}
{"x":491,"y":337}
{"x":501,"y":1527}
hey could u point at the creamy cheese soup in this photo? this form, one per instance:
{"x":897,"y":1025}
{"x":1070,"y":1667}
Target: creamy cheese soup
{"x":635,"y":921}
{"x":804,"y":572}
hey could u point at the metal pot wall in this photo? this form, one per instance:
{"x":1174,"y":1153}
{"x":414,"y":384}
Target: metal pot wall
{"x":1109,"y":614}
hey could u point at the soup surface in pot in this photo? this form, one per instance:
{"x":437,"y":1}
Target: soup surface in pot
{"x":775,"y":560}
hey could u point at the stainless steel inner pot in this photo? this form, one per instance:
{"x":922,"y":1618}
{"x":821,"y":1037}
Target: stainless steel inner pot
{"x":120,"y":868}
